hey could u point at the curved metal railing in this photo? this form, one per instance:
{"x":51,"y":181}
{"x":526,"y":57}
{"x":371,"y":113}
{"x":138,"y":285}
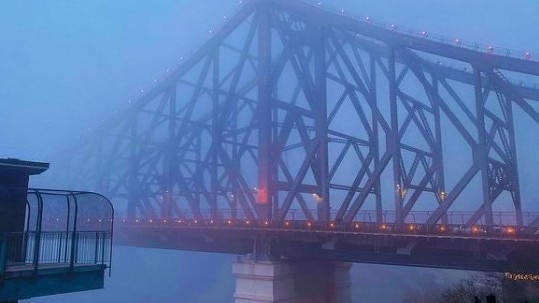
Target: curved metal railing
{"x":62,"y":228}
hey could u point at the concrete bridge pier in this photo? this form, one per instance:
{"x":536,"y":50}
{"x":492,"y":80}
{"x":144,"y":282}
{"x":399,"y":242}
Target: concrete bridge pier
{"x":292,"y":281}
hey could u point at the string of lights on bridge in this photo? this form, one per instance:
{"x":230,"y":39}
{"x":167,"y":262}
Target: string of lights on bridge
{"x":526,"y":55}
{"x":416,"y":229}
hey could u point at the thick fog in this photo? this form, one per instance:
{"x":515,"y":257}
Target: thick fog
{"x":66,"y":66}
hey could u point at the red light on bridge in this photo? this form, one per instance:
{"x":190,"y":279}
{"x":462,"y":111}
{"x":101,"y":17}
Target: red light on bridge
{"x":475,"y":229}
{"x":383,"y":227}
{"x":262,"y":196}
{"x":309,"y":224}
{"x":229,"y":222}
{"x":442,"y":228}
{"x":286,"y":223}
{"x":332,"y":224}
{"x":356,"y":225}
{"x":411,"y":227}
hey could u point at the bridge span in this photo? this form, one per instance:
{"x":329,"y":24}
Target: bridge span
{"x":501,"y":248}
{"x":292,"y":124}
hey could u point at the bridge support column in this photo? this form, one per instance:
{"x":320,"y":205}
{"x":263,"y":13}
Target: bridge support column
{"x":292,"y":282}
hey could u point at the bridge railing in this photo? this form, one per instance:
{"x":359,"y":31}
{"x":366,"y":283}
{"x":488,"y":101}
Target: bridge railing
{"x":55,"y":248}
{"x":425,"y":34}
{"x":371,"y":216}
{"x":453,"y":224}
{"x":61,"y":229}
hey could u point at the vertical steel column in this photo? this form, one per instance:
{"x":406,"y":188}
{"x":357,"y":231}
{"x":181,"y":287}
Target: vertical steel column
{"x":264,"y":113}
{"x":438,"y":159}
{"x":215,"y":136}
{"x":394,"y":139}
{"x":132,"y":183}
{"x":169,"y":163}
{"x":515,"y":190}
{"x":321,"y":122}
{"x":374,"y":140}
{"x":480,"y":152}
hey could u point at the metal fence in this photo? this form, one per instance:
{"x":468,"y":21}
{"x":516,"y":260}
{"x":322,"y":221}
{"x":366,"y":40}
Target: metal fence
{"x":62,"y":229}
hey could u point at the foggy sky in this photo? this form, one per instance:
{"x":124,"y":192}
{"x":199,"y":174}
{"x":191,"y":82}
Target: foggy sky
{"x":66,"y":65}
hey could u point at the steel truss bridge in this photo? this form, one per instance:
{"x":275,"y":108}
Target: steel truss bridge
{"x":300,"y":132}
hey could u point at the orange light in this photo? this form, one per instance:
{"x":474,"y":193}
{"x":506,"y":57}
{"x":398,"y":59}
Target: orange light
{"x":356,"y":225}
{"x":384,"y":227}
{"x":286,"y":223}
{"x":411,"y":227}
{"x":309,"y":224}
{"x":510,"y":230}
{"x":332,"y":225}
{"x":475,"y":229}
{"x":262,"y":196}
{"x":442,"y":228}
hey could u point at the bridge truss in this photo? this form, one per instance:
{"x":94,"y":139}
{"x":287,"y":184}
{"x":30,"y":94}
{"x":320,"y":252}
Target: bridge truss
{"x":289,"y":108}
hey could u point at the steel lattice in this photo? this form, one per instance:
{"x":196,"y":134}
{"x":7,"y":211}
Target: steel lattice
{"x":292,"y":109}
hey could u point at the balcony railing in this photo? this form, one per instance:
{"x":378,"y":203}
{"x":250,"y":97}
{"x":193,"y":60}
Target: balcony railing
{"x":62,"y":229}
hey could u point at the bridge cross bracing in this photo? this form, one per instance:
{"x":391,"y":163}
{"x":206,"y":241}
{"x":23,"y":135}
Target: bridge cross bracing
{"x":291,"y":113}
{"x":289,"y":107}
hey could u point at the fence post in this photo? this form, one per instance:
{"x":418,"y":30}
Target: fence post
{"x":96,"y":247}
{"x":3,"y":256}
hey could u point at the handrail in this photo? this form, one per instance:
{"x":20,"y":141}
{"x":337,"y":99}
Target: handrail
{"x":388,"y":216}
{"x":55,"y":232}
{"x":504,"y":232}
{"x":456,"y":224}
{"x":85,"y":248}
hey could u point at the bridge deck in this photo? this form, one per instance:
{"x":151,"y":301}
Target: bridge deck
{"x":474,"y":249}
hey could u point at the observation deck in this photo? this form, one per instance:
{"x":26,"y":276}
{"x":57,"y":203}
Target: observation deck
{"x":51,"y":241}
